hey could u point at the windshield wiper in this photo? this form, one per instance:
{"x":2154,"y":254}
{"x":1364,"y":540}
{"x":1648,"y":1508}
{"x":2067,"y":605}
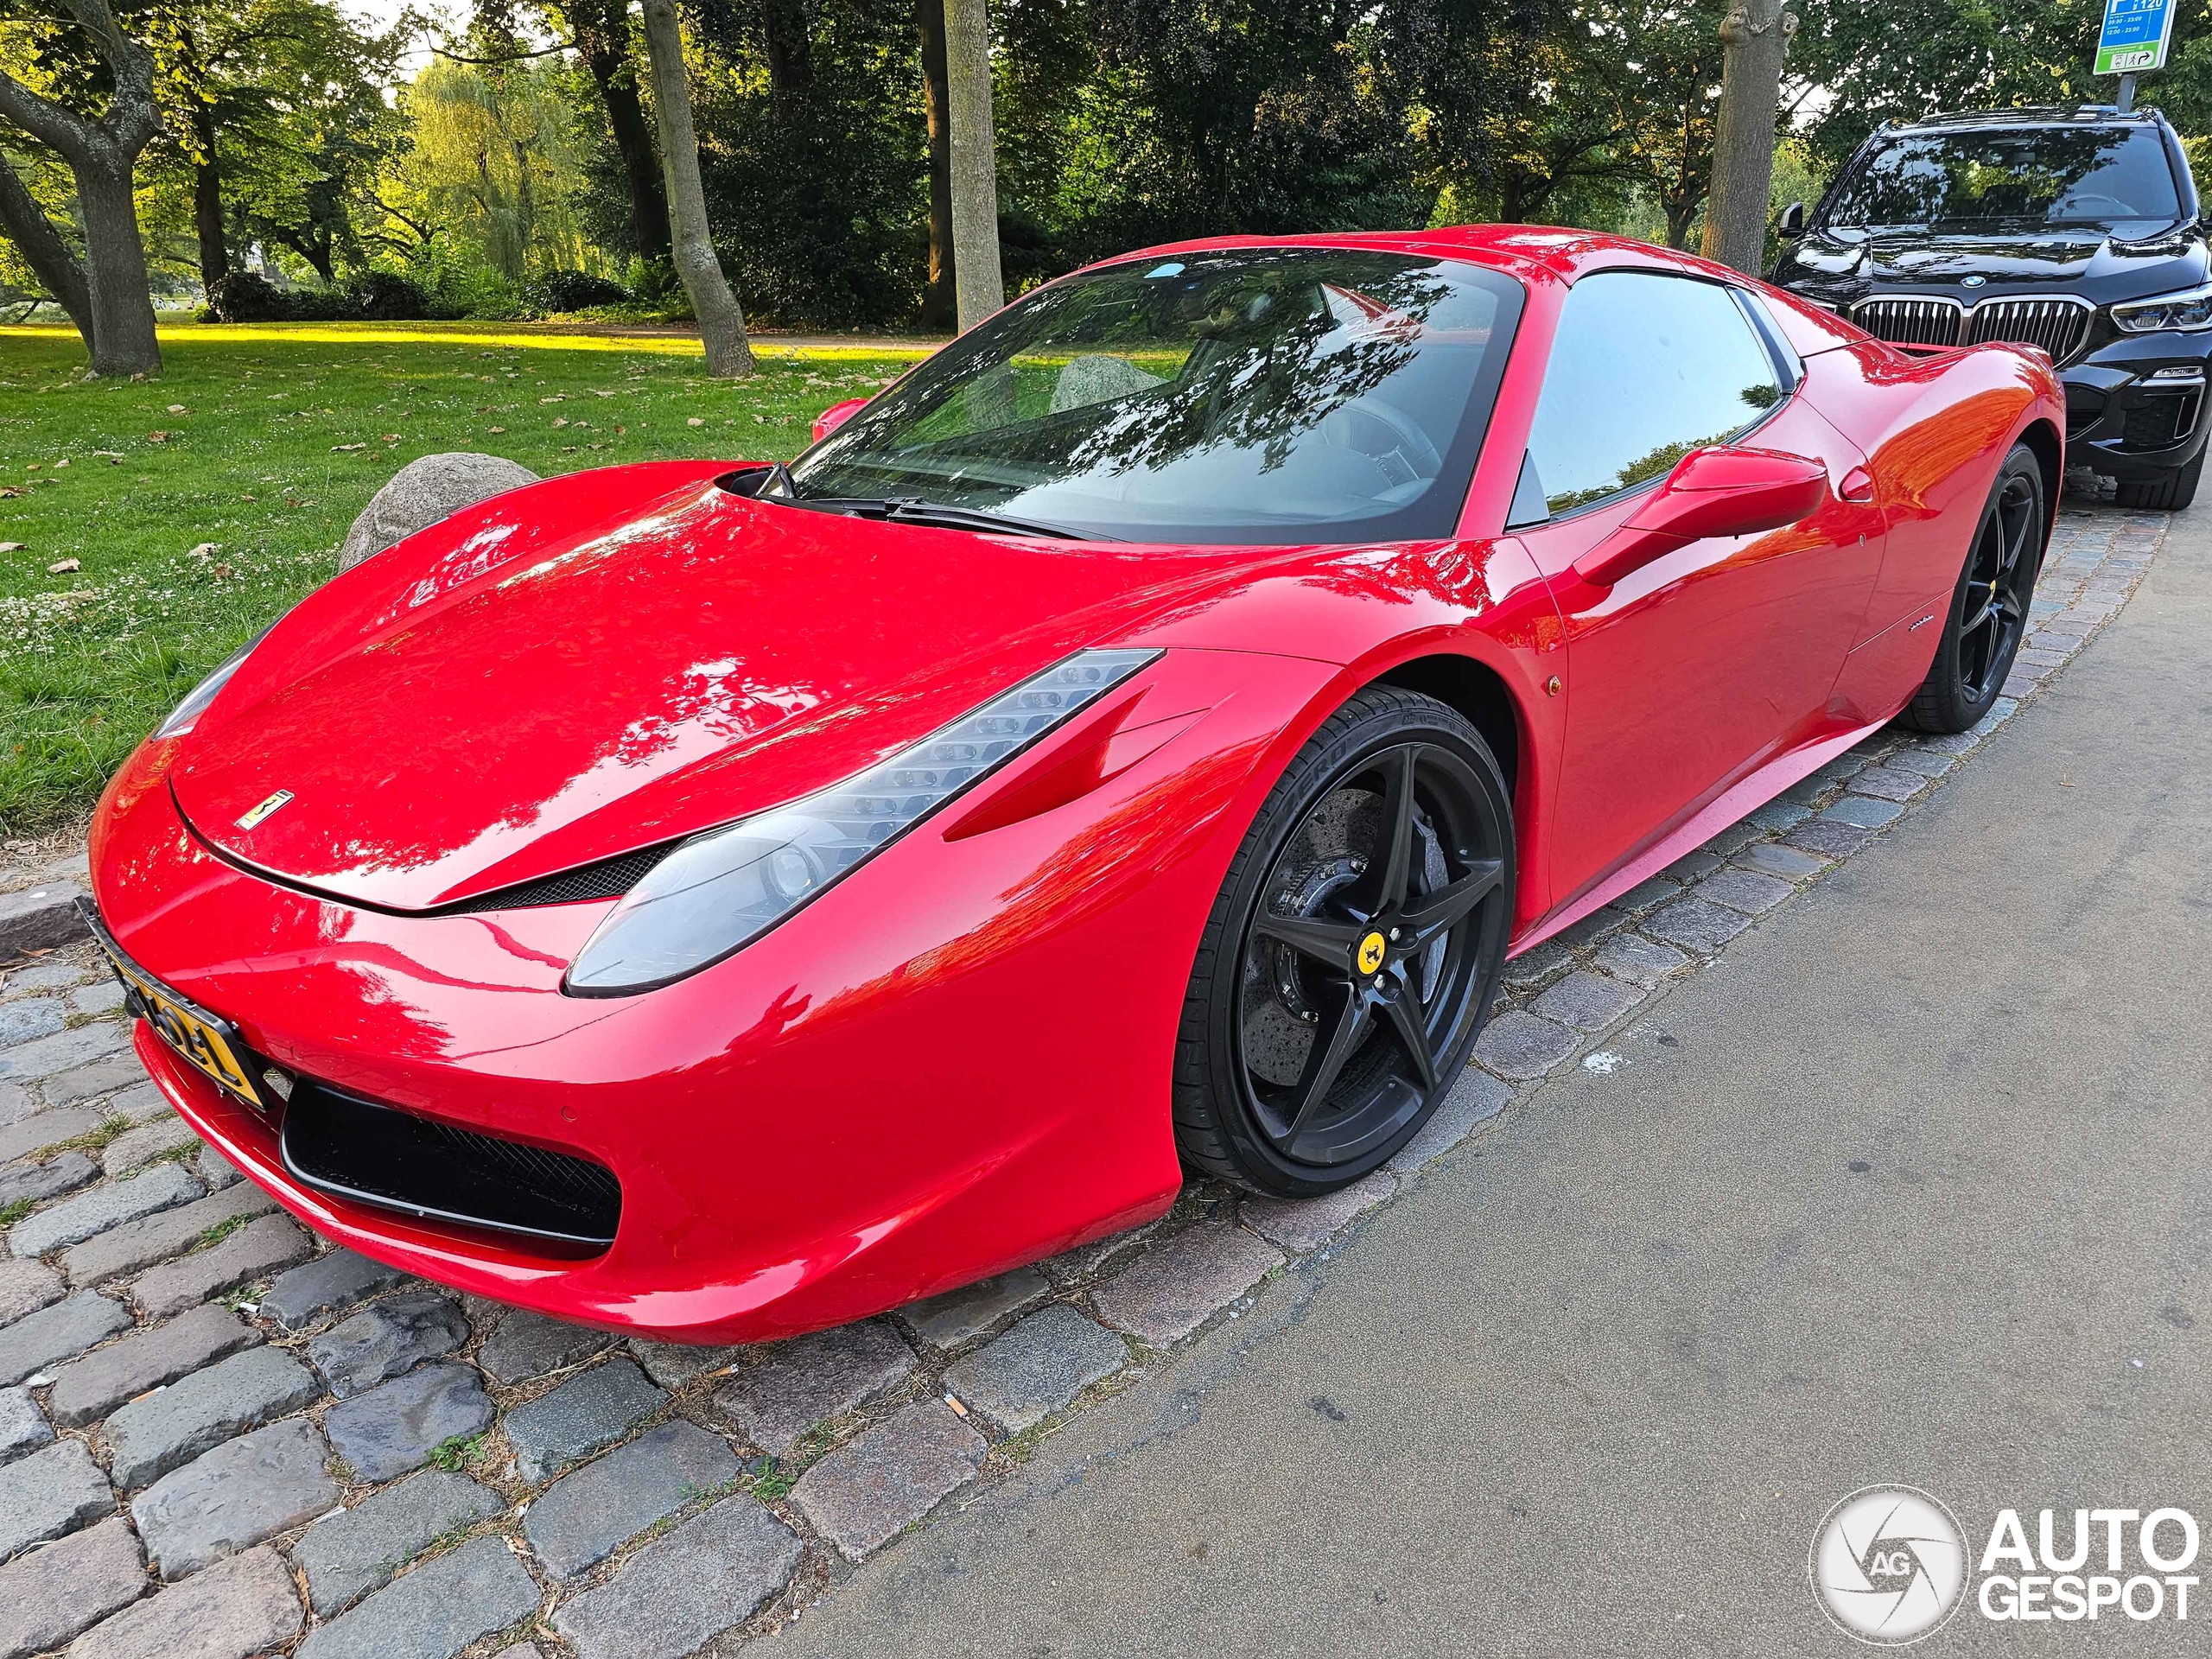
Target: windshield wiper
{"x":913,"y":510}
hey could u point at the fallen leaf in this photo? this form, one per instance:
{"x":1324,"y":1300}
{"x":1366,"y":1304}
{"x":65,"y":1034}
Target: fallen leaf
{"x":249,"y":498}
{"x":12,"y":547}
{"x":498,"y":429}
{"x":151,"y":437}
{"x":344,"y":448}
{"x":11,"y":491}
{"x":179,"y":408}
{"x":597,"y":393}
{"x":560,"y":421}
{"x":622,"y":431}
{"x":221,"y":573}
{"x":694,"y":421}
{"x":204,"y":549}
{"x":62,"y":568}
{"x":392,"y":437}
{"x":58,"y":465}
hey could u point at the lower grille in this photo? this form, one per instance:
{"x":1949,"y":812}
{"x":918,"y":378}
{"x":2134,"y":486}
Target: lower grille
{"x":2160,"y":423}
{"x":355,"y":1149}
{"x":1909,"y":321}
{"x":2057,"y":326}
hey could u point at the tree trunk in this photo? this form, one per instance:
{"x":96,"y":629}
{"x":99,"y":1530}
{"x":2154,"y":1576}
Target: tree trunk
{"x":1756,"y":37}
{"x":940,"y":305}
{"x":44,"y":250}
{"x":721,"y":324}
{"x":981,"y":289}
{"x":790,"y":51}
{"x":1679,"y":215}
{"x":617,"y":79}
{"x":123,"y":340}
{"x":207,"y":201}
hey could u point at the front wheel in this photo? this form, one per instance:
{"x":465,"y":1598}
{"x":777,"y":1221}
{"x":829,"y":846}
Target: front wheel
{"x":2168,"y":492}
{"x":1355,"y":947}
{"x":1989,"y":608}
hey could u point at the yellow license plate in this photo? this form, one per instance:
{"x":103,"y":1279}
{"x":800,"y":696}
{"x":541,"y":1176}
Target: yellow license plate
{"x":206,"y":1040}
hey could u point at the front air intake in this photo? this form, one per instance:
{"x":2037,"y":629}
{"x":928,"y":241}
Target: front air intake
{"x":355,"y":1149}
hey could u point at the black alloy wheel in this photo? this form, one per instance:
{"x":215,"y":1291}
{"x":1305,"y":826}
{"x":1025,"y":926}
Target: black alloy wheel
{"x":1353,"y":952}
{"x":1989,"y":609}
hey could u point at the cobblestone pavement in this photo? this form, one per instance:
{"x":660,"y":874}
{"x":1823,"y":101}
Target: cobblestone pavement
{"x":212,"y":1425}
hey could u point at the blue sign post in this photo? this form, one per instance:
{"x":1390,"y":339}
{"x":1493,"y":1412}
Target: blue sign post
{"x":2134,"y":38}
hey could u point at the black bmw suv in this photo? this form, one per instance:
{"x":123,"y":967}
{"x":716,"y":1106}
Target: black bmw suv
{"x":2075,"y":230}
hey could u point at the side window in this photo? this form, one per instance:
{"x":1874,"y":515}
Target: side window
{"x":1643,"y":370}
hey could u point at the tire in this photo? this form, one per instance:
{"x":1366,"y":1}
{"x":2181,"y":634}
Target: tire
{"x":1989,"y":608}
{"x":2170,"y":492}
{"x":1339,"y":984}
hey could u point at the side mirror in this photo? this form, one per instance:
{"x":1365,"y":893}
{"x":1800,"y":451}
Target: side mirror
{"x":1723,"y":491}
{"x":1791,"y":225}
{"x":835,"y":415}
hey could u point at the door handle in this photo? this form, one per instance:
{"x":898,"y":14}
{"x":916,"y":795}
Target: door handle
{"x":1858,"y":485}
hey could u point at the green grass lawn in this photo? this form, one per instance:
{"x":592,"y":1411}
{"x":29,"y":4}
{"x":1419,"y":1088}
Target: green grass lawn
{"x":187,"y":512}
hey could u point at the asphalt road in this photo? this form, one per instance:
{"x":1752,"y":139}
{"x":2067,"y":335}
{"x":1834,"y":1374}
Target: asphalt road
{"x":1920,"y":1192}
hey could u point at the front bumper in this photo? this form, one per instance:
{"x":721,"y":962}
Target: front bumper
{"x":955,"y":1061}
{"x":2135,"y":406}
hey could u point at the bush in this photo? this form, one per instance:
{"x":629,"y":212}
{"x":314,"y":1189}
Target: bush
{"x":377,"y":295}
{"x":387,"y":296}
{"x":574,"y":291}
{"x":457,"y":283}
{"x":246,"y":296}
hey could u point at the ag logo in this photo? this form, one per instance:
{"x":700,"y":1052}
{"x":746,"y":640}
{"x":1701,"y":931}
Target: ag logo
{"x":1889,"y":1565}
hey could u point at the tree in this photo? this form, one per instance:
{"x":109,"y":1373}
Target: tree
{"x":976,"y":278}
{"x":601,"y":29}
{"x":272,"y":106}
{"x":940,"y":303}
{"x":1991,"y":55}
{"x":102,"y":152}
{"x":1756,"y":34}
{"x":1673,"y":61}
{"x":721,"y":323}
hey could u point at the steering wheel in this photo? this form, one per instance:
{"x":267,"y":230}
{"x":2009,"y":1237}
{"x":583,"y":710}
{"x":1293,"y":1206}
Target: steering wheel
{"x":1413,"y":442}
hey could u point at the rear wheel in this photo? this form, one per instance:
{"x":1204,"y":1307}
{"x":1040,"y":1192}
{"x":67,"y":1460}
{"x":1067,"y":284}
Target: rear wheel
{"x":1352,"y":953}
{"x":2170,"y":492}
{"x":1989,"y":608}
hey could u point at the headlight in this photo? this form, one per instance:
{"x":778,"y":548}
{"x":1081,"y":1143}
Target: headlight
{"x":2191,"y":309}
{"x":724,"y":888}
{"x":183,"y":718}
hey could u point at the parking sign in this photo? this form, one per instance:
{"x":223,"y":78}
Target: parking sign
{"x":2134,"y":35}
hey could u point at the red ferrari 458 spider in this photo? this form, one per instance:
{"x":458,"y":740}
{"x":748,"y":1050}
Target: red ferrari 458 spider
{"x":720,"y":899}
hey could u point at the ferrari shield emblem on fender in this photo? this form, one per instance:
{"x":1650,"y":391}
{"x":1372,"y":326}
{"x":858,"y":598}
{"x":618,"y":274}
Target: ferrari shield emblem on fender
{"x":258,"y":813}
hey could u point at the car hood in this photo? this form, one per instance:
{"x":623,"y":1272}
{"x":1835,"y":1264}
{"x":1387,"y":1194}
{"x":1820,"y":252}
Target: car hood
{"x":570,"y":672}
{"x":2084,"y":260}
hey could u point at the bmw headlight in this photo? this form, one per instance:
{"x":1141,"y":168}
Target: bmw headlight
{"x":182,"y":718}
{"x":2191,"y":309}
{"x":723,"y":889}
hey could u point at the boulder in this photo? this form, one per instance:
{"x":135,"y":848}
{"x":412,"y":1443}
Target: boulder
{"x":423,"y":492}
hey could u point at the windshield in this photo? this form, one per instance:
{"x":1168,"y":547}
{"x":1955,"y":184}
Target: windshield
{"x":1274,"y":396}
{"x":2033,"y":175}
